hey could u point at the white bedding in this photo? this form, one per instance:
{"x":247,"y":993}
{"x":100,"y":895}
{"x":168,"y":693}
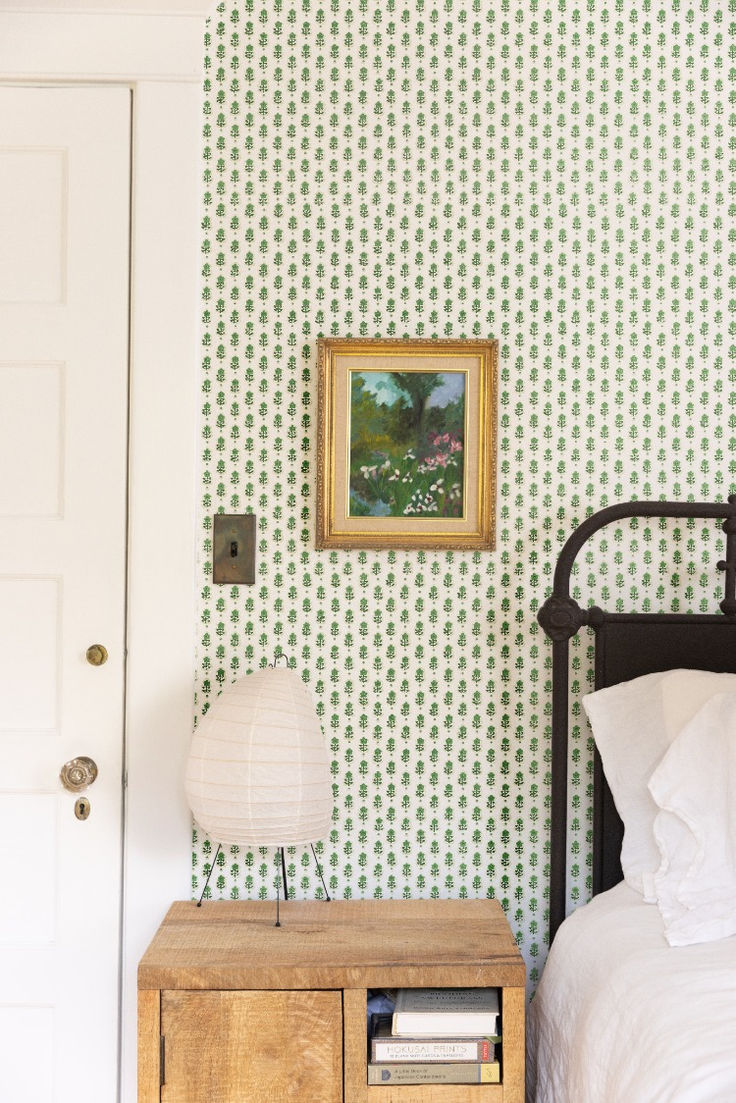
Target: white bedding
{"x":619,"y":1015}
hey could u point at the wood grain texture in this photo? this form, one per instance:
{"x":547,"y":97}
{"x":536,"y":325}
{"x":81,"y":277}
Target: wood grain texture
{"x":513,"y":1034}
{"x":434,"y":1093}
{"x":355,"y":1047}
{"x":149,"y":1050}
{"x":336,"y":944}
{"x":264,"y":1047}
{"x":236,"y":992}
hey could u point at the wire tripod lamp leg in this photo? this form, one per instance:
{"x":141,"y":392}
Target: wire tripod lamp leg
{"x":209,"y":874}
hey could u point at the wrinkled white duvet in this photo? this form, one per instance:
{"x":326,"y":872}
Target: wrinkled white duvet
{"x":622,"y":1017}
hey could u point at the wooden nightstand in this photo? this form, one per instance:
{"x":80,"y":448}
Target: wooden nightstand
{"x":233,"y":1009}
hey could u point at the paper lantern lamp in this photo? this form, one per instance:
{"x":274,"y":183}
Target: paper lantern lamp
{"x":258,"y":771}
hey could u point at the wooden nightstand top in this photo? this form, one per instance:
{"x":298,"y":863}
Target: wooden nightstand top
{"x":332,"y":944}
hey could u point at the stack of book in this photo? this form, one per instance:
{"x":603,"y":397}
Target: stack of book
{"x":437,"y":1036}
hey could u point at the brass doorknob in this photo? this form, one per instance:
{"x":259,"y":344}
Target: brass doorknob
{"x":78,"y":773}
{"x":96,"y":654}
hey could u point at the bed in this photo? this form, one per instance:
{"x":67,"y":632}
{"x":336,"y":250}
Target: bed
{"x":637,"y":1000}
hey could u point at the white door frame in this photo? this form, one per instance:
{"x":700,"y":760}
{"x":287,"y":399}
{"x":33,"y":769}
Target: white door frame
{"x":157,"y":52}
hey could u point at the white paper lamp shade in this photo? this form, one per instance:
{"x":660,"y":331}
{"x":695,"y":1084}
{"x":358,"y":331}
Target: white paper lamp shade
{"x":258,"y":772}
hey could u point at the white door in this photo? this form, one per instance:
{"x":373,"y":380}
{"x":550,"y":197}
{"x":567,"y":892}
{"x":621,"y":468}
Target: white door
{"x":64,"y":259}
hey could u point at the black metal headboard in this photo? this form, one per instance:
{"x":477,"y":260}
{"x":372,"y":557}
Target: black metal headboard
{"x":626,"y":645}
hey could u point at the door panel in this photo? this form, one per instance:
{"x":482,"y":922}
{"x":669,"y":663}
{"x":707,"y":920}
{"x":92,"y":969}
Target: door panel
{"x":29,"y":641}
{"x":28,"y":1063}
{"x":32,"y":224}
{"x":31,"y":423}
{"x":28,"y":918}
{"x":64,"y":244}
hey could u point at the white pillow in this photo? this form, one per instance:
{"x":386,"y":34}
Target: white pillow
{"x":634,"y":724}
{"x":695,"y":788}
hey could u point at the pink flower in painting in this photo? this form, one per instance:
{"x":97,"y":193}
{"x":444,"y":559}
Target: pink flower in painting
{"x":444,"y":440}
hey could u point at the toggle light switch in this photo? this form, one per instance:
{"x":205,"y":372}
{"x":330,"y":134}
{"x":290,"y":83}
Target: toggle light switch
{"x":234,"y":540}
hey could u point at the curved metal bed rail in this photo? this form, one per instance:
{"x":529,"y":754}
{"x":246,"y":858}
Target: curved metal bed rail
{"x":561,"y":618}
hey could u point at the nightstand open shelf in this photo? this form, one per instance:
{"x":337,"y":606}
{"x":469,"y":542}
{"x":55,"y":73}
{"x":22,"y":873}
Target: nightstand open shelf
{"x":232,"y":1008}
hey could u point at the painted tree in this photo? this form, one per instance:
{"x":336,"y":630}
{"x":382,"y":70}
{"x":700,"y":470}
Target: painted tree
{"x":418,"y":386}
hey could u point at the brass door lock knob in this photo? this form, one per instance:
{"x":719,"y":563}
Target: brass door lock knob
{"x":96,"y":654}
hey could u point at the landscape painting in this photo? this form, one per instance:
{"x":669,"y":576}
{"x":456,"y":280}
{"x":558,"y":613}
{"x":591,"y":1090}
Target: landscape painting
{"x":406,"y":443}
{"x":407,"y":440}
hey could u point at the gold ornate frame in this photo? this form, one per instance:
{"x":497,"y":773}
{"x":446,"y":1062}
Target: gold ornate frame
{"x":337,"y":357}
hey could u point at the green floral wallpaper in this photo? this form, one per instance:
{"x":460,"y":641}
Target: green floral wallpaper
{"x":558,"y":176}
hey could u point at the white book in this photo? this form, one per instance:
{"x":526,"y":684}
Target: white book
{"x":449,"y":1012}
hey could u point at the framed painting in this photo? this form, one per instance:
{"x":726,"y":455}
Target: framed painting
{"x":406,"y":450}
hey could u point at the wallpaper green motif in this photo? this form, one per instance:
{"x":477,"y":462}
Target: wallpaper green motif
{"x":558,"y":176}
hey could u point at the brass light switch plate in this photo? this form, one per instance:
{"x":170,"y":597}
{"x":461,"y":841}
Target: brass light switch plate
{"x":234,"y":540}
